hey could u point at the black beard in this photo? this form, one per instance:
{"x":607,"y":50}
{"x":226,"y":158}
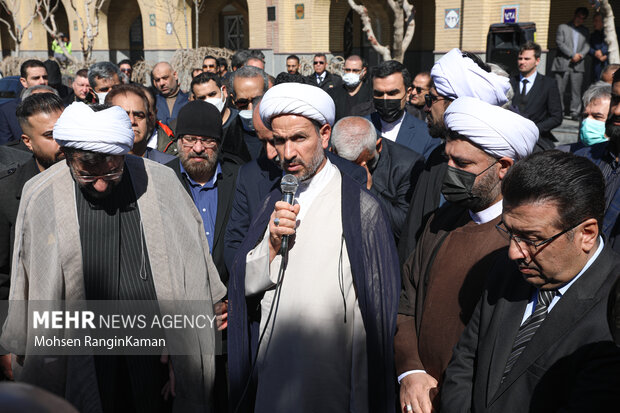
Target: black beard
{"x":198,"y":170}
{"x":611,"y":130}
{"x":437,"y":130}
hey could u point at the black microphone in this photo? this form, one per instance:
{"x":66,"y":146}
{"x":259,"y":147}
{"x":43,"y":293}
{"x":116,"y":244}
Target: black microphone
{"x":288,"y":185}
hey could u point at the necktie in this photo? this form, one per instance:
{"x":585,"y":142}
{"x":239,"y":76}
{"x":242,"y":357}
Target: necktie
{"x":523,"y":89}
{"x":529,"y":327}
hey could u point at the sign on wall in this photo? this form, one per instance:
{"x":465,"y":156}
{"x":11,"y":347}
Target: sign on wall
{"x":452,"y":19}
{"x":169,"y":28}
{"x":299,"y":11}
{"x":510,"y":14}
{"x":152,"y":21}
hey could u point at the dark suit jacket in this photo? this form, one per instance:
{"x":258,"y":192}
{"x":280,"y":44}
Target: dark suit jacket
{"x":413,"y":134}
{"x":255,"y":181}
{"x":394,"y":179}
{"x":225,"y":191}
{"x":10,"y":156}
{"x":11,"y":183}
{"x":331,"y":81}
{"x":565,"y":365}
{"x":542,"y":105}
{"x":9,"y":126}
{"x":163,"y":114}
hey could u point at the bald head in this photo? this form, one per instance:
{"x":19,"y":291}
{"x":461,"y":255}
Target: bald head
{"x":354,"y":138}
{"x":165,"y":79}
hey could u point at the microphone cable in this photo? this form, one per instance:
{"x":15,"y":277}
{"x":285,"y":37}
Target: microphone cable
{"x":275,"y":304}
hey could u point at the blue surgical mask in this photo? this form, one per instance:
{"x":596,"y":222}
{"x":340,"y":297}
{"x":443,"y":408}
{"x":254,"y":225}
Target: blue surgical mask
{"x":246,"y":120}
{"x":592,"y":132}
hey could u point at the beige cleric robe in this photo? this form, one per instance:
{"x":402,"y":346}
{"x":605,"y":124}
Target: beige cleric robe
{"x":47,"y":265}
{"x":314,"y":349}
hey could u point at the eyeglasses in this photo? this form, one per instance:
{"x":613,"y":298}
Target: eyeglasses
{"x":87,"y":179}
{"x":126,"y":70}
{"x":190,"y":141}
{"x":430,"y":99}
{"x":419,"y":89}
{"x":242,"y":104}
{"x":208,"y":66}
{"x":530,"y":243}
{"x":319,"y":63}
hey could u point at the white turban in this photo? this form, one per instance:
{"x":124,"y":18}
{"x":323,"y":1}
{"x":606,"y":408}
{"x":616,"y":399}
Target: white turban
{"x":499,"y":132}
{"x":456,"y":76}
{"x":308,"y":101}
{"x":107,"y":131}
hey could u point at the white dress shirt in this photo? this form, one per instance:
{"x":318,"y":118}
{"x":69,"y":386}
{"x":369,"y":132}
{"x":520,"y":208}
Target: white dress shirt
{"x":390,"y":130}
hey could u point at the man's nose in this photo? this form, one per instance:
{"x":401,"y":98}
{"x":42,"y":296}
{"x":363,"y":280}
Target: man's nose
{"x":100,"y":185}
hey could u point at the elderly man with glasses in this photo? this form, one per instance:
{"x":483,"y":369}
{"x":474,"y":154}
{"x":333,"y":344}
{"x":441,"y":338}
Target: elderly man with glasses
{"x":109,"y":226}
{"x":321,"y":76}
{"x":443,"y":279}
{"x":538,"y":340}
{"x":249,"y":84}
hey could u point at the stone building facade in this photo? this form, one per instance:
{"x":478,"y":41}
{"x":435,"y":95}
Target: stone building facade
{"x":154,"y":29}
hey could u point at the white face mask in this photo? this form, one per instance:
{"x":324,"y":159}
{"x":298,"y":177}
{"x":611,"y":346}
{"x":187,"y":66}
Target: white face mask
{"x":101,"y":96}
{"x":246,"y":120}
{"x":351,"y":79}
{"x":217,"y":102}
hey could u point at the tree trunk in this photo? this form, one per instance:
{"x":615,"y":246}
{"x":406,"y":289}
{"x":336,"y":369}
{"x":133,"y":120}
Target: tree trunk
{"x":362,"y":11}
{"x":610,"y":32}
{"x":196,"y":17}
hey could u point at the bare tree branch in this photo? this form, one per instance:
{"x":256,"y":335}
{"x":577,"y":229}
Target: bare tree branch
{"x":362,"y":11}
{"x":46,"y":10}
{"x":403,"y":28}
{"x":610,"y":32}
{"x":13,"y":28}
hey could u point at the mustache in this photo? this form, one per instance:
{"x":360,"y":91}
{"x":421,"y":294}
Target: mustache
{"x":202,"y":155}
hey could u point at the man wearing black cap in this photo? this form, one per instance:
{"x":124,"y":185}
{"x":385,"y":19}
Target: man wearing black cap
{"x":207,"y":174}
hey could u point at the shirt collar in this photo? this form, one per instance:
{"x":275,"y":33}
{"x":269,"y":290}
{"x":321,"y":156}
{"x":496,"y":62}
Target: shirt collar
{"x":310,"y":189}
{"x":152,"y":142}
{"x":210,"y":184}
{"x":562,"y":290}
{"x":531,"y":78}
{"x":487,"y":215}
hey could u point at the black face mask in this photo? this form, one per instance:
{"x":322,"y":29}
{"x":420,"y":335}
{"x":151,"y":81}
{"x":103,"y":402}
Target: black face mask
{"x":389,"y":109}
{"x":458,"y":185}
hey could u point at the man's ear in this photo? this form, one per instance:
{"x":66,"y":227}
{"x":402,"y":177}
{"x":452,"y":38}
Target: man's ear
{"x":379,"y":144}
{"x":408,"y":93}
{"x":588,"y":234}
{"x":225,"y":91}
{"x":22,"y":80}
{"x":505,"y":164}
{"x":324,"y":134}
{"x":27,"y":142}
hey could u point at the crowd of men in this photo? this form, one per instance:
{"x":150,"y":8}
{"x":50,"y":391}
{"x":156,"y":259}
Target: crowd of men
{"x":437,"y":253}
